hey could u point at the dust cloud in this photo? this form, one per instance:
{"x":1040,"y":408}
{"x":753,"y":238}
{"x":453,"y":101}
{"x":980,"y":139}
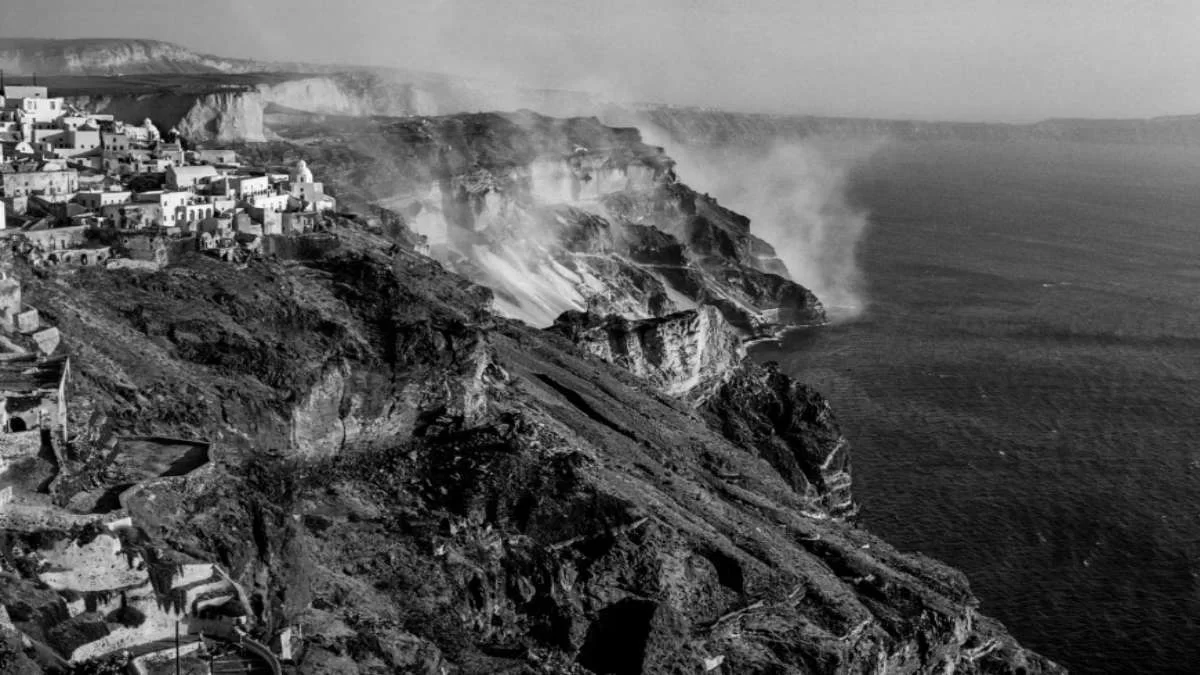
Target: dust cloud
{"x":796,"y":194}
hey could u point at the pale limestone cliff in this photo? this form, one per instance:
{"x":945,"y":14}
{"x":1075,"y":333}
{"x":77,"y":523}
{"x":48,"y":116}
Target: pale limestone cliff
{"x":686,"y":354}
{"x":225,"y":117}
{"x":117,"y":56}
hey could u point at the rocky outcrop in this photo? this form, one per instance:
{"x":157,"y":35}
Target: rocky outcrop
{"x":789,"y":425}
{"x":697,"y":356}
{"x":686,"y":354}
{"x":226,"y":117}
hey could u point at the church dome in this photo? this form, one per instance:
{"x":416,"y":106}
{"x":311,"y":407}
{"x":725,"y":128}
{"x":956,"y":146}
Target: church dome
{"x":301,"y":173}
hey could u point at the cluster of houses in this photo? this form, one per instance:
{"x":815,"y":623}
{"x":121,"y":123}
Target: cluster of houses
{"x":66,"y":173}
{"x":69,"y":182}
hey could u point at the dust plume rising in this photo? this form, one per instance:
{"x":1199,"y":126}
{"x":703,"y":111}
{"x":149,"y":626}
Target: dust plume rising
{"x":796,"y":194}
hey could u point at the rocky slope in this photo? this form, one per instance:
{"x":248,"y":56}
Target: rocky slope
{"x":424,"y":487}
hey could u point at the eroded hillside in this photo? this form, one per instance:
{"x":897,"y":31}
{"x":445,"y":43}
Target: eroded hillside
{"x":424,"y":487}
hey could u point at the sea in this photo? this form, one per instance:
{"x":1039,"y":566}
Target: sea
{"x":1022,"y":385}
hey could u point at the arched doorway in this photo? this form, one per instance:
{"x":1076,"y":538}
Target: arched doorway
{"x":16,"y":424}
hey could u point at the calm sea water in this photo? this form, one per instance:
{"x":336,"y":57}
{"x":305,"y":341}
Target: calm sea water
{"x":1023,"y":391}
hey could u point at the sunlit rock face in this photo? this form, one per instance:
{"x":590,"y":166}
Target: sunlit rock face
{"x":697,"y":356}
{"x":686,"y":354}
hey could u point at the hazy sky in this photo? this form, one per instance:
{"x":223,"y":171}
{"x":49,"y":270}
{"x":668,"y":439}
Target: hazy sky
{"x":1012,"y":60}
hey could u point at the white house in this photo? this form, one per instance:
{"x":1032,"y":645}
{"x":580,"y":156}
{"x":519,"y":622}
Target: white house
{"x":268,"y":202}
{"x":243,"y":187}
{"x":43,"y":183}
{"x":34,"y":103}
{"x":188,"y":214}
{"x":170,"y":203}
{"x":96,"y":200}
{"x":312,"y":197}
{"x":190,"y":177}
{"x":217,"y":156}
{"x":147,"y":133}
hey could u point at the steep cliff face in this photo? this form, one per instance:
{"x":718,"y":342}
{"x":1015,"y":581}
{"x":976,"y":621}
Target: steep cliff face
{"x":520,"y":505}
{"x":789,"y":425}
{"x":226,"y":117}
{"x":698,"y":357}
{"x":709,"y":128}
{"x":554,"y":215}
{"x":117,"y":56}
{"x":232,"y":106}
{"x":687,"y":354}
{"x":232,"y":113}
{"x":339,"y":95}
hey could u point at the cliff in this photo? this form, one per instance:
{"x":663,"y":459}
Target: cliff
{"x":708,"y":128}
{"x":110,"y":56}
{"x":696,"y":356}
{"x":688,"y":354}
{"x":108,"y":62}
{"x":554,"y":215}
{"x":424,"y":487}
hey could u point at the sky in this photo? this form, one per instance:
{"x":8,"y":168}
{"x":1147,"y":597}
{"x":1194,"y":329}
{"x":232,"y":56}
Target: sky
{"x":983,"y":60}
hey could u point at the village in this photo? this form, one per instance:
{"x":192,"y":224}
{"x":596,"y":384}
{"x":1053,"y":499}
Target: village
{"x":87,"y":190}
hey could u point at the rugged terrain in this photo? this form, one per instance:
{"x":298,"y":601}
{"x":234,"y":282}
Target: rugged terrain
{"x":423,"y":485}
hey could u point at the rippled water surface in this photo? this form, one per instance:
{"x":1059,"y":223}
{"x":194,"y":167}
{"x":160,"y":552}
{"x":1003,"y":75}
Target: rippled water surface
{"x":1023,"y":391}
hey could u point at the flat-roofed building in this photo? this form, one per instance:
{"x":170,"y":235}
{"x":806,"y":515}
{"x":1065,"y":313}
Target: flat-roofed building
{"x":96,"y":199}
{"x":113,"y":141}
{"x":190,"y":177}
{"x":42,"y":183}
{"x":242,"y":187}
{"x":217,"y":156}
{"x":34,"y":102}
